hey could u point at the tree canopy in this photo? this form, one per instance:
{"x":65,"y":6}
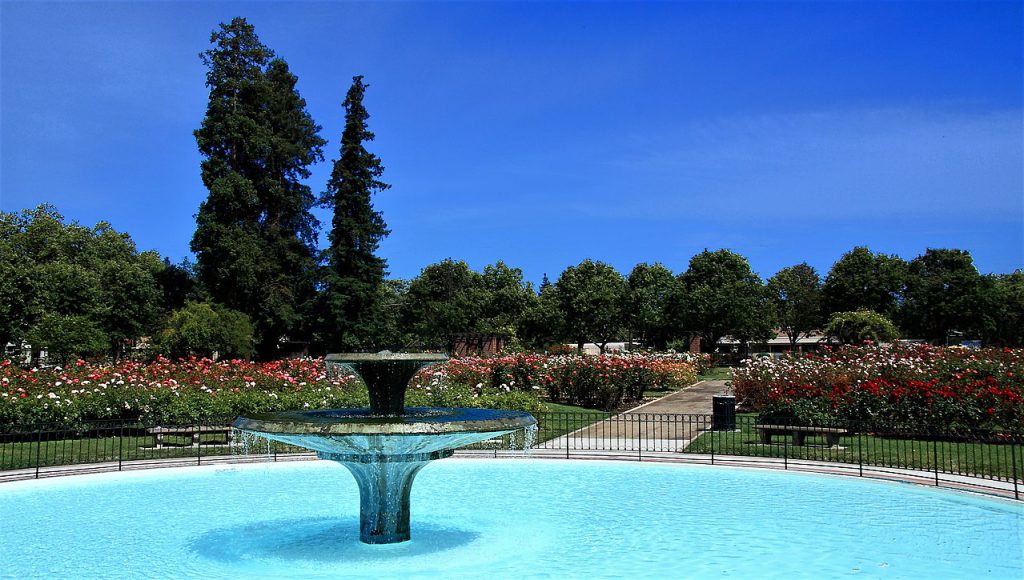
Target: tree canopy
{"x":859,"y":326}
{"x":796,"y":295}
{"x":446,"y":299}
{"x":1007,"y":309}
{"x":862,"y":279}
{"x":74,"y":290}
{"x":650,"y":288}
{"x":719,"y":295}
{"x":945,"y":293}
{"x":592,"y":297}
{"x":204,"y":329}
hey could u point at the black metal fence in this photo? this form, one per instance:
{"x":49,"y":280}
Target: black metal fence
{"x":985,"y":460}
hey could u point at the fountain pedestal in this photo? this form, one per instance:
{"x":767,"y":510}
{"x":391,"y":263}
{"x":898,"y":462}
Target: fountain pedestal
{"x":382,"y":448}
{"x":384,"y":487}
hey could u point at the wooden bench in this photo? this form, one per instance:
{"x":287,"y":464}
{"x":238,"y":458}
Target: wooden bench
{"x":159,"y":433}
{"x":831,"y":434}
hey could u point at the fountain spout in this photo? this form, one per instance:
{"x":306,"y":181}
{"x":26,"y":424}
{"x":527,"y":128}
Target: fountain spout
{"x":386,"y":375}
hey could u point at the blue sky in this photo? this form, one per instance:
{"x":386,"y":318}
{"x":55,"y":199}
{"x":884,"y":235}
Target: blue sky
{"x":547,"y":133}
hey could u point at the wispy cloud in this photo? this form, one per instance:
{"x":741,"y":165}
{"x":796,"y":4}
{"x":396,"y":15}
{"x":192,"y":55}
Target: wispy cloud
{"x":842,"y":163}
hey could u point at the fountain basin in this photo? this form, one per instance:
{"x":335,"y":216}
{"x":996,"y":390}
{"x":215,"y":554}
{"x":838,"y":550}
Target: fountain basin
{"x":359,"y":433}
{"x":385,"y":452}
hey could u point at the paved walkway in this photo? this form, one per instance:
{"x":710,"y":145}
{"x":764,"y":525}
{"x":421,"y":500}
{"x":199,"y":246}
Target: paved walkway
{"x":649,"y":427}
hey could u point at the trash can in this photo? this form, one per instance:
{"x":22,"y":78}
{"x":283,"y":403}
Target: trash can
{"x":723,"y":413}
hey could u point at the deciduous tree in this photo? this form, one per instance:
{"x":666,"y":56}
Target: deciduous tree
{"x":507,"y":298}
{"x":862,"y":279}
{"x":796,"y":295}
{"x":544,"y":322}
{"x":1007,"y":309}
{"x":650,"y":287}
{"x":859,"y":326}
{"x":72,"y":289}
{"x":204,"y":329}
{"x":446,"y":299}
{"x":945,"y":293}
{"x":592,"y":297}
{"x":720,"y":296}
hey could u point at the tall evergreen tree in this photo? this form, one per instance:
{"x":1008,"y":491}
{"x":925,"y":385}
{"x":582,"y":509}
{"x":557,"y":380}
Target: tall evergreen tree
{"x":354,"y":273}
{"x":255,"y":234}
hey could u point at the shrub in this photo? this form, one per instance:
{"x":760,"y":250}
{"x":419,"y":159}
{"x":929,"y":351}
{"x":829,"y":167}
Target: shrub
{"x":860,"y":326}
{"x":67,"y":337}
{"x":203,"y":329}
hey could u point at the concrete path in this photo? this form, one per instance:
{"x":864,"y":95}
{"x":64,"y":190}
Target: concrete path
{"x":693,"y":400}
{"x":649,"y":426}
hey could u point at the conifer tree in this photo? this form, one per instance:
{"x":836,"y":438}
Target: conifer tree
{"x":255,"y":235}
{"x":353,"y":272}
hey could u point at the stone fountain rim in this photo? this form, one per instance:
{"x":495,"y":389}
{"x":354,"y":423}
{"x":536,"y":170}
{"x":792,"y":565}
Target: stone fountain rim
{"x":295,"y":423}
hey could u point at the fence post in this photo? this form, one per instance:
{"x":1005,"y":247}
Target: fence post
{"x":640,"y":439}
{"x":120,"y":446}
{"x":935,"y":457}
{"x":39,"y":447}
{"x":567,"y":436}
{"x":1013,"y":460}
{"x":785,"y":454}
{"x":860,"y":452}
{"x":712,"y":435}
{"x":199,"y":442}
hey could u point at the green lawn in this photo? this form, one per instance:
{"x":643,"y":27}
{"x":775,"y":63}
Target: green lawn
{"x":558,"y":423}
{"x":717,"y":374}
{"x":992,"y":460}
{"x":132,"y":447}
{"x":560,"y":408}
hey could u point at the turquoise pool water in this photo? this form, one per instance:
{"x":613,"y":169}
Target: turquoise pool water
{"x":493,"y":519}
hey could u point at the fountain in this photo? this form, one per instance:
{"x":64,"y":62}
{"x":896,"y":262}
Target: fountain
{"x":385,"y":446}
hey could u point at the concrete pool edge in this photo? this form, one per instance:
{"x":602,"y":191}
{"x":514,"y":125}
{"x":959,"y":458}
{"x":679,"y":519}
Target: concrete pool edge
{"x":989,"y":488}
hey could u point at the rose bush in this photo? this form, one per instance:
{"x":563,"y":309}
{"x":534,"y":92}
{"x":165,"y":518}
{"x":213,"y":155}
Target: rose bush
{"x":596,"y":382}
{"x":166,"y":391}
{"x":187,"y":390}
{"x":903,"y":387}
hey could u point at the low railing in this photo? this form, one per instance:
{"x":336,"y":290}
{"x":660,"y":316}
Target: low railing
{"x":990,"y":460}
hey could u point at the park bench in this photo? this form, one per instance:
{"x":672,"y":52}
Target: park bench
{"x":159,"y":433}
{"x":831,"y":434}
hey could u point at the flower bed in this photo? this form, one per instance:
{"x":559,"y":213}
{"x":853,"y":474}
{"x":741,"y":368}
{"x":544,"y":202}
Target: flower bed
{"x":595,"y":382}
{"x":167,"y":391}
{"x":184,"y":391}
{"x":907,"y":387}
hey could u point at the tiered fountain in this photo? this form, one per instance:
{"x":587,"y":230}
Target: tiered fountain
{"x":386,"y":445}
